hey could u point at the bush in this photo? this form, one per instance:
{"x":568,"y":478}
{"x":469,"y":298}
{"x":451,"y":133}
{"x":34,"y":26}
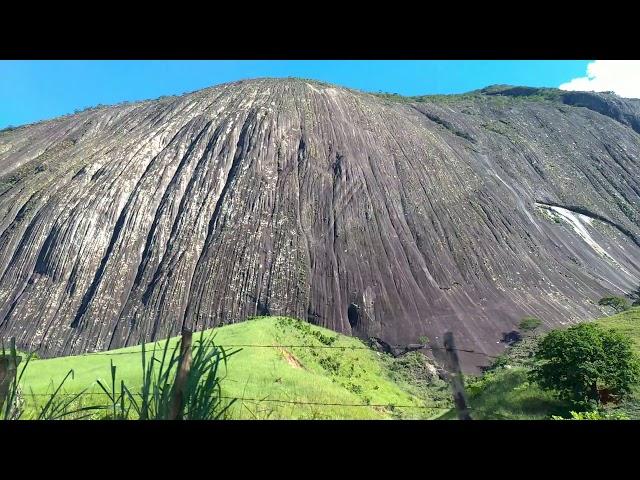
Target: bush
{"x":595,"y":415}
{"x":619,"y":304}
{"x":520,"y":354}
{"x":501,"y":361}
{"x":580,"y":362}
{"x":529,"y":324}
{"x":330,"y":364}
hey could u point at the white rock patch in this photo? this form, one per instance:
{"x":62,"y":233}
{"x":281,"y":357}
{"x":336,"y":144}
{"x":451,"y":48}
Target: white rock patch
{"x":575,"y":220}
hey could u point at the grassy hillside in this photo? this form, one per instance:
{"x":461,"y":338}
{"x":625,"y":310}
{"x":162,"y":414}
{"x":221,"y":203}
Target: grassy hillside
{"x":294,"y":375}
{"x":506,"y":393}
{"x":355,"y":381}
{"x":627,"y":323}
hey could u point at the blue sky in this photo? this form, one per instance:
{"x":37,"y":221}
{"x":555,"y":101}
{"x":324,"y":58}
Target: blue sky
{"x":37,"y":90}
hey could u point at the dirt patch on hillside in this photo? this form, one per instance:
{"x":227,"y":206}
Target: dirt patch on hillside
{"x":290,"y":358}
{"x":383,"y":410}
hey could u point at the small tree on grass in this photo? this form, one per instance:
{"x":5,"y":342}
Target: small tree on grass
{"x":582,"y":360}
{"x":619,"y":304}
{"x":529,"y":324}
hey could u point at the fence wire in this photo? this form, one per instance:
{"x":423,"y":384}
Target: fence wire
{"x":274,"y":400}
{"x":277,"y":400}
{"x":240,"y":345}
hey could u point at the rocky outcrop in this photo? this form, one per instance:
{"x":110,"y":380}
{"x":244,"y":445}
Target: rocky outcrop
{"x":394,"y":350}
{"x":623,"y":110}
{"x":369,"y":215}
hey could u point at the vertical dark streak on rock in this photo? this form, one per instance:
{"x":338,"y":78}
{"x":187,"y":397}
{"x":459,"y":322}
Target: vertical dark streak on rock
{"x":88,"y":296}
{"x":241,"y":146}
{"x":165,"y":196}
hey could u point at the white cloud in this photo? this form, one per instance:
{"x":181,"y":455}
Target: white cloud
{"x":619,"y":76}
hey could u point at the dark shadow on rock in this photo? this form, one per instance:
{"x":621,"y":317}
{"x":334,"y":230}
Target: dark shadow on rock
{"x":511,"y":337}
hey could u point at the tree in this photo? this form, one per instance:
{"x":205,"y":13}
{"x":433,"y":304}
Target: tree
{"x":529,"y":324}
{"x":582,"y":360}
{"x":619,"y":304}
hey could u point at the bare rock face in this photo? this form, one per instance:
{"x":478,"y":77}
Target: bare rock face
{"x":369,"y":215}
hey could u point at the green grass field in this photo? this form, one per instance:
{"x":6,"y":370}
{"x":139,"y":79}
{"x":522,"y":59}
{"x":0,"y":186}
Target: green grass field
{"x":362,"y":383}
{"x":628,"y":323}
{"x":350,"y":381}
{"x":506,"y":393}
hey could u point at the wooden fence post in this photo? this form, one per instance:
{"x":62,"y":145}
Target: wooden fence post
{"x":5,"y":379}
{"x":457,"y":384}
{"x":176,"y":409}
{"x":8,"y":370}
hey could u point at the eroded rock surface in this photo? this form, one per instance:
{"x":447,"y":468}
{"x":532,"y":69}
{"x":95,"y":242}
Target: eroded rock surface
{"x":367,"y":215}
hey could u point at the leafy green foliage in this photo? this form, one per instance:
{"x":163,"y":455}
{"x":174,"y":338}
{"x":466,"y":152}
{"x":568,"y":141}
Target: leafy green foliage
{"x":619,"y":304}
{"x":453,"y":98}
{"x":509,"y":394}
{"x":506,"y":390}
{"x":413,"y":372}
{"x":578,"y":362}
{"x":119,"y":409}
{"x":595,"y":415}
{"x":330,"y":364}
{"x":529,"y":324}
{"x":496,"y":94}
{"x":412,"y":368}
{"x":61,"y":406}
{"x":518,"y":354}
{"x":203,"y":392}
{"x":306,"y":329}
{"x":203,"y":399}
{"x":528,"y":93}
